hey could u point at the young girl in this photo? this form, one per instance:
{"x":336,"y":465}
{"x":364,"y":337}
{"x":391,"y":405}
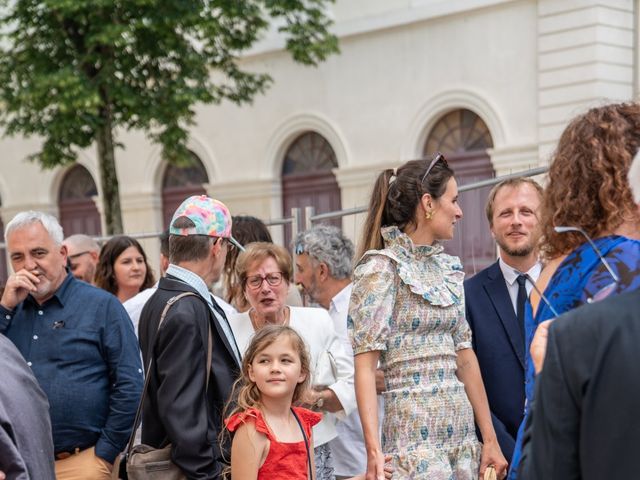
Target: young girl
{"x":268,"y":442}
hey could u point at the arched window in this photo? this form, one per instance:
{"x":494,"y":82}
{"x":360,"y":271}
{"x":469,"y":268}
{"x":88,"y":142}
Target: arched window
{"x":464,"y":138}
{"x":307,"y":177}
{"x":180,"y":182}
{"x":78,"y":211}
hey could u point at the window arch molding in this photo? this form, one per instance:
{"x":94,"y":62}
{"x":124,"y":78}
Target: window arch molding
{"x":86,"y":161}
{"x":291,"y":129}
{"x":195,"y":144}
{"x":443,"y":103}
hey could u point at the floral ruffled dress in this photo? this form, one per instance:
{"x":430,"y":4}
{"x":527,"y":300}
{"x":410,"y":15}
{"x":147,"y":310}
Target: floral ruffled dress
{"x":408,"y":303}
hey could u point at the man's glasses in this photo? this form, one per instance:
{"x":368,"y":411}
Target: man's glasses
{"x":607,"y":290}
{"x":273,"y":279}
{"x":435,"y":160}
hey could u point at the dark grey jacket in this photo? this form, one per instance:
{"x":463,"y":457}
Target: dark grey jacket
{"x":26,"y":444}
{"x":177,"y":409}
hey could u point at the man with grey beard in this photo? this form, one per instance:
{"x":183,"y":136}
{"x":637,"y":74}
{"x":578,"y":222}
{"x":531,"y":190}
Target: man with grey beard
{"x":496,"y":299}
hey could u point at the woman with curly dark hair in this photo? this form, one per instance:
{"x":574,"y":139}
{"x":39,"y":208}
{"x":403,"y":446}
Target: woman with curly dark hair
{"x":589,"y":220}
{"x":123,"y":268}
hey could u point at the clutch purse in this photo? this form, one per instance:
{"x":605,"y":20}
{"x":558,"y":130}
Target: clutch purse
{"x":326,"y":371}
{"x":490,"y":473}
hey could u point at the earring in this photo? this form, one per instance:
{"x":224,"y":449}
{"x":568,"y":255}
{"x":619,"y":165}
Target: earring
{"x":429,"y":215}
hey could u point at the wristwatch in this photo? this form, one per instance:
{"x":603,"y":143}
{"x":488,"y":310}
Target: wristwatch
{"x":319,"y":402}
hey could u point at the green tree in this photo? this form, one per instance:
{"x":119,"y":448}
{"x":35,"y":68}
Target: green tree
{"x":74,"y":71}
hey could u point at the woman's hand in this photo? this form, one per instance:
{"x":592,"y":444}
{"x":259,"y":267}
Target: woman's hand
{"x":492,"y":455}
{"x":538,"y":347}
{"x":378,"y":468}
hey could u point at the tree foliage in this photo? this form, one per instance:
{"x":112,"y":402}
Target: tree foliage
{"x":73,"y":71}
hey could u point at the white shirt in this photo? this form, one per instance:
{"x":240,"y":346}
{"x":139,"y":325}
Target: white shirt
{"x":510,"y":275}
{"x":348,"y":449}
{"x":316,"y":328}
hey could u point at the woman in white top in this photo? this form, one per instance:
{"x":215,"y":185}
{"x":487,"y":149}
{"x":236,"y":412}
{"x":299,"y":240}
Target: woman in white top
{"x":264,"y":271}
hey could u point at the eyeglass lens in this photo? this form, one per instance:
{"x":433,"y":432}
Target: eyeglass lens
{"x":274,"y":279}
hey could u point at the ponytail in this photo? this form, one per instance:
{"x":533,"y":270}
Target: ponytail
{"x":371,"y":237}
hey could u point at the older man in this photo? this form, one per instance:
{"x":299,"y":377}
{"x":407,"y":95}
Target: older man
{"x":79,"y":343}
{"x":324,"y":263}
{"x":181,"y":408}
{"x":83,"y":253}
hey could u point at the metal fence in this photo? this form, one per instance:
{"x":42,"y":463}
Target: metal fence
{"x":300,"y":219}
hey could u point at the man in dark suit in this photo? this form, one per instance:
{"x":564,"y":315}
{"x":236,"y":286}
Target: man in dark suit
{"x":584,"y":422}
{"x":495,"y":299}
{"x":181,"y":408}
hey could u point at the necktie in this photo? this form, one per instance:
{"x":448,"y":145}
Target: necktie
{"x":520,"y":302}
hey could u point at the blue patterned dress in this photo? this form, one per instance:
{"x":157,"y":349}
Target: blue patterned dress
{"x":408,"y":303}
{"x":580,"y":278}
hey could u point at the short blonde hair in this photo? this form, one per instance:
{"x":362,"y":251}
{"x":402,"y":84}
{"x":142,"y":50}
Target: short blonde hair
{"x":257,"y":252}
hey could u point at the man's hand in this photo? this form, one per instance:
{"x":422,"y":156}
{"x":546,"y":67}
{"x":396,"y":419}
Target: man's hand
{"x":18,"y":286}
{"x":538,"y":347}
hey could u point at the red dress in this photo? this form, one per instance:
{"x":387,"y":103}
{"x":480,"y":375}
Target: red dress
{"x":285,"y":460}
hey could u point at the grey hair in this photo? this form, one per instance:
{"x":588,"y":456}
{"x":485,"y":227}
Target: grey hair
{"x":634,"y":177}
{"x":24,"y":219}
{"x":326,"y":244}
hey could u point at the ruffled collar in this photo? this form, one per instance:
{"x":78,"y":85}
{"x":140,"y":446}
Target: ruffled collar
{"x":400,"y":242}
{"x":425,"y":269}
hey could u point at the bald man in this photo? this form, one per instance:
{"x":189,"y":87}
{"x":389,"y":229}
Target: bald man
{"x":82,"y":252}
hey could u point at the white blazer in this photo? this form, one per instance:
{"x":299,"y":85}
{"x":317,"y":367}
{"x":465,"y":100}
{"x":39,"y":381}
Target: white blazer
{"x":316,"y":328}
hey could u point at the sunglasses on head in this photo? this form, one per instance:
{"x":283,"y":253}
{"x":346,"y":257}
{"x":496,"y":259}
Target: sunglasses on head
{"x":438,"y":156}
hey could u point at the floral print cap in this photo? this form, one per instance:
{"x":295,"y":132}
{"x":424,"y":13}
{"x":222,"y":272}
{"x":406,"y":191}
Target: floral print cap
{"x":210,"y":216}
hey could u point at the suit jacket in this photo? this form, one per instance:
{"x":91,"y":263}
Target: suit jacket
{"x":179,"y":409}
{"x":584,"y":419}
{"x":499,"y":345}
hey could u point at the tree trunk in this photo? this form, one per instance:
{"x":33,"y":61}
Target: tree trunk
{"x":108,"y":177}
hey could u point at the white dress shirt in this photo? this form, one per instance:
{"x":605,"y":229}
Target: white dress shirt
{"x":510,"y":275}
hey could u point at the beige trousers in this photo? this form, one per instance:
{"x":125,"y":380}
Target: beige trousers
{"x":84,"y":465}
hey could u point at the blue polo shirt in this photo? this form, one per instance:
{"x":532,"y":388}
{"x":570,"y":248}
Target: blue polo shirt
{"x":81,"y":347}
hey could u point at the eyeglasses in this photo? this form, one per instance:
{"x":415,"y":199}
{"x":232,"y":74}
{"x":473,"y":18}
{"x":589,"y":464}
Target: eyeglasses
{"x":608,"y":289}
{"x":273,"y":279}
{"x":435,"y":160}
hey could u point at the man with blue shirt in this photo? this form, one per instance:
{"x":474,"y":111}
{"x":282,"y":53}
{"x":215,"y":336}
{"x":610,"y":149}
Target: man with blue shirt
{"x":181,"y":407}
{"x":79,"y":343}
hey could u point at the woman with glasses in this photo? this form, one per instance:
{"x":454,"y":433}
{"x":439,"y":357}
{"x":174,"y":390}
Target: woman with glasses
{"x":590,"y":222}
{"x":264,"y":270}
{"x":407,"y":316}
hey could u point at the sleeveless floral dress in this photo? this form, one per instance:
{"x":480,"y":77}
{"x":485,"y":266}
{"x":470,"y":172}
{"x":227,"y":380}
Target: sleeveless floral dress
{"x":408,"y":303}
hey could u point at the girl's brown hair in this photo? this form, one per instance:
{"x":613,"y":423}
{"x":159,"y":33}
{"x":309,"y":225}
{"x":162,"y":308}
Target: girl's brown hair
{"x":588,"y":186}
{"x":394,"y":201}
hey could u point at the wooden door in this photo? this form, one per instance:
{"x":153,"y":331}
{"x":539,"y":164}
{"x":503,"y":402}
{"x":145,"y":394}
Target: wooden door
{"x":464,"y":138}
{"x":78,"y":211}
{"x":180,"y":183}
{"x":307,"y":178}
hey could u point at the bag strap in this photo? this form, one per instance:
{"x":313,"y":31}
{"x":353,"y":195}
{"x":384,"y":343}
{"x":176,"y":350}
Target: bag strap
{"x":306,"y":443}
{"x":138,"y":417}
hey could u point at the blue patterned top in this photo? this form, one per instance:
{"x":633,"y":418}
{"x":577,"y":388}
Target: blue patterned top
{"x":580,"y":278}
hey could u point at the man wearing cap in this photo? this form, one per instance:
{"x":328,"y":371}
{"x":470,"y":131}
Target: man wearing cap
{"x":181,"y":408}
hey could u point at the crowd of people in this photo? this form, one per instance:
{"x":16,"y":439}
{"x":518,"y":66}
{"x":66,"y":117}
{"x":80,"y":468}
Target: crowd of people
{"x":397,"y":367}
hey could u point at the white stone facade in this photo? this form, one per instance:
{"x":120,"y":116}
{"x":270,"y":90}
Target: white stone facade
{"x":524,"y":66}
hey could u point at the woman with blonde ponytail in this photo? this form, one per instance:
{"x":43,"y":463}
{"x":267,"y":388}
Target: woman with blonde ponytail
{"x":407,"y":315}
